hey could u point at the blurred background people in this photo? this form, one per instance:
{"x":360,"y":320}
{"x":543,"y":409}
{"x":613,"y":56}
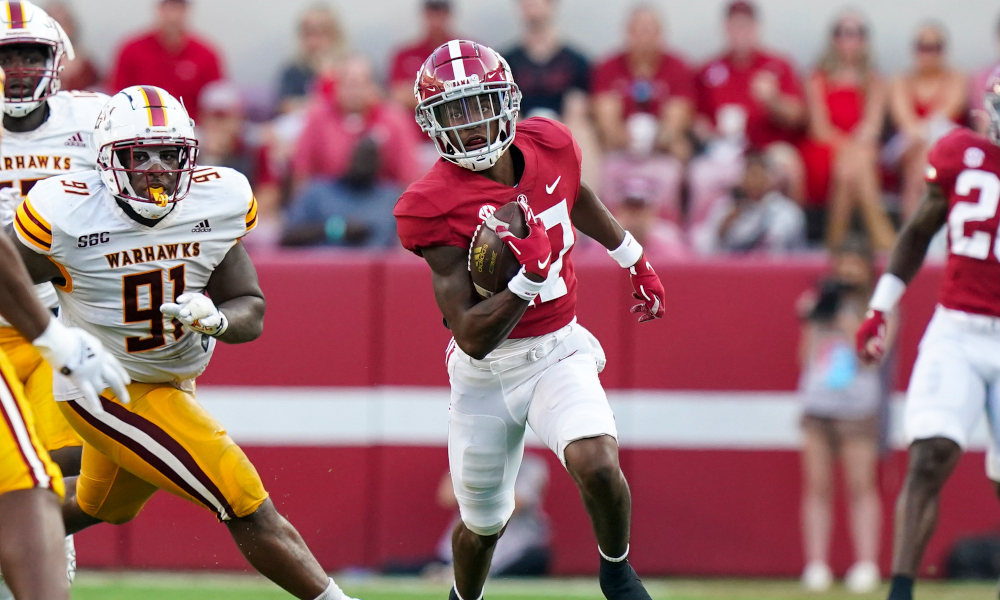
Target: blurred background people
{"x":355,"y":210}
{"x":748,"y":97}
{"x":643,"y":105}
{"x":222,"y":134}
{"x":322,"y":46}
{"x":754,"y":216}
{"x":554,"y":79}
{"x":524,"y":549}
{"x":169,"y":56}
{"x":353,"y":108}
{"x":925,"y":103}
{"x":437,"y":28}
{"x":638,"y":211}
{"x":847,"y":108}
{"x":79,"y":73}
{"x":841,"y":400}
{"x":644,"y":79}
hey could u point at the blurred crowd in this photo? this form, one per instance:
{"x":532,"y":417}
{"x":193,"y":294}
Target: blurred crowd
{"x":748,"y":152}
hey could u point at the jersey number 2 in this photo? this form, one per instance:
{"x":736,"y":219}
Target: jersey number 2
{"x":977,"y":245}
{"x":138,"y":311}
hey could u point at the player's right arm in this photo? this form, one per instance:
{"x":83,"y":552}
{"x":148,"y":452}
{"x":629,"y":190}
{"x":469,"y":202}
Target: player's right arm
{"x":69,"y":350}
{"x":478,"y":325}
{"x":905,"y":260}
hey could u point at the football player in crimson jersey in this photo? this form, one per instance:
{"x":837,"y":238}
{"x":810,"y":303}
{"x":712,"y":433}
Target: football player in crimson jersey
{"x":518,"y":357}
{"x":957,"y":372}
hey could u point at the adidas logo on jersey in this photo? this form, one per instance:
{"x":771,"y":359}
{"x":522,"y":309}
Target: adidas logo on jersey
{"x":202,"y":227}
{"x":76,"y":140}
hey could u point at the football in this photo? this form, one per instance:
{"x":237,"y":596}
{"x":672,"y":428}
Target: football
{"x":491,"y":263}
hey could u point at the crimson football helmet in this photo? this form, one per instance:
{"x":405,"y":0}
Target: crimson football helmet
{"x":466,"y":90}
{"x":991,"y":100}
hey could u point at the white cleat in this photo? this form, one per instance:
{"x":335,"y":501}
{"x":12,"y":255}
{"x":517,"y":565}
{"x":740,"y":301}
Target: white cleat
{"x":70,"y":559}
{"x":817,"y":577}
{"x":862,"y":578}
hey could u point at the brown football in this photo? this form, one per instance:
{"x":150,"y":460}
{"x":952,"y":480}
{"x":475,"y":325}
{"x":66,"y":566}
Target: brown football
{"x":491,"y":263}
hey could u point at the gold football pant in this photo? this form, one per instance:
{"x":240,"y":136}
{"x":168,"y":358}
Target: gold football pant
{"x":163,"y":440}
{"x":24,"y":463}
{"x":36,"y":376}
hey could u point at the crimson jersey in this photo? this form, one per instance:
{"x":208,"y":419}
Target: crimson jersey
{"x":446,"y":205}
{"x":967,"y":168}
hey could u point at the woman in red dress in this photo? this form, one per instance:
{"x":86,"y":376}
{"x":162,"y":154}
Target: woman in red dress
{"x":925,"y":104}
{"x":847,"y":102}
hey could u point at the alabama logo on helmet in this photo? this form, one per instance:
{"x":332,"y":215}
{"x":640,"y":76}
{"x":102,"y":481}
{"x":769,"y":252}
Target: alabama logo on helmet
{"x":467,"y":102}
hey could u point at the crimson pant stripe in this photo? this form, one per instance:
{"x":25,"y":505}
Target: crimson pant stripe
{"x":8,"y":418}
{"x":154,"y":461}
{"x":157,"y":110}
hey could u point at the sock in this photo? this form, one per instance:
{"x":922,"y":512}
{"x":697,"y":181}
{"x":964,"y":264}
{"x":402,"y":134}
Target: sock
{"x":901,"y":588}
{"x":454,"y":591}
{"x":621,"y":558}
{"x":332,"y":592}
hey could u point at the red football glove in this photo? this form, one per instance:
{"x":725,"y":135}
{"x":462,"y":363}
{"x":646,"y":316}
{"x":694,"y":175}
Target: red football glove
{"x":871,"y":337}
{"x":533,"y":252}
{"x":646,"y":286}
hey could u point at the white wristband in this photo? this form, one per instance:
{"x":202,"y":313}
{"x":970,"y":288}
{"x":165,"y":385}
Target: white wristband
{"x":887,"y":293}
{"x":628,"y":252}
{"x":524,"y":288}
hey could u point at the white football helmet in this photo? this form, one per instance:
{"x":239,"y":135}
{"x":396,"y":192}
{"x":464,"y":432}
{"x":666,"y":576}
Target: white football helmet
{"x":137,"y":120}
{"x":24,"y":23}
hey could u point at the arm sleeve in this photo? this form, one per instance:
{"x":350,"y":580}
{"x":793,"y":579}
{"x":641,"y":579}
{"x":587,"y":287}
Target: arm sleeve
{"x":601,"y":78}
{"x":33,"y":229}
{"x":397,"y":72}
{"x":789,"y":81}
{"x":944,"y":162}
{"x":683,"y":82}
{"x":420,"y":225}
{"x":121,"y":75}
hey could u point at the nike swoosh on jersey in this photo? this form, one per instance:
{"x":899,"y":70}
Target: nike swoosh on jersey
{"x":542,"y":265}
{"x":551,"y":188}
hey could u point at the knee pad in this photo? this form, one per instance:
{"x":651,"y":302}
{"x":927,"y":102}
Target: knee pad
{"x":487,"y":517}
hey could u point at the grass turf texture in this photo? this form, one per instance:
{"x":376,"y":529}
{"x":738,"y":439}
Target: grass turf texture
{"x":156,"y":586}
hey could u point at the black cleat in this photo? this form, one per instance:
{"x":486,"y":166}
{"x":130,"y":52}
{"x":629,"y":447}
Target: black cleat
{"x":453,"y":595}
{"x":619,"y":581}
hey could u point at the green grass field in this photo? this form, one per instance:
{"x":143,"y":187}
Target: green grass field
{"x":158,"y":586}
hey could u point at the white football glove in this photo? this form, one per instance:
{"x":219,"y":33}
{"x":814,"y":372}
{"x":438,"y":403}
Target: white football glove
{"x":81,"y":357}
{"x":10,"y":199}
{"x":198,"y":312}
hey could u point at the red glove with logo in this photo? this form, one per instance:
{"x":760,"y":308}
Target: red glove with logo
{"x":646,"y":287}
{"x":871,"y":337}
{"x":533,"y":252}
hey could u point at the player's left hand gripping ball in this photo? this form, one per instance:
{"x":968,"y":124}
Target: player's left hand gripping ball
{"x":533,"y":252}
{"x":646,"y":287}
{"x":197,"y":312}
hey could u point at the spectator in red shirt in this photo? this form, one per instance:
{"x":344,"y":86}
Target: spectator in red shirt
{"x":353,"y":108}
{"x":747,"y":98}
{"x":169,"y":57}
{"x":748,"y":79}
{"x":407,"y":60}
{"x":643,"y":104}
{"x":645,"y":78}
{"x":79,"y":73}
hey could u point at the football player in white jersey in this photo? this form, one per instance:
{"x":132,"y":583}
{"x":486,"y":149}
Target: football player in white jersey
{"x":46,"y":132}
{"x":145,"y":253}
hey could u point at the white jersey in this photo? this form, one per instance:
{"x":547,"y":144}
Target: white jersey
{"x":60,"y":145}
{"x":117,"y":272}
